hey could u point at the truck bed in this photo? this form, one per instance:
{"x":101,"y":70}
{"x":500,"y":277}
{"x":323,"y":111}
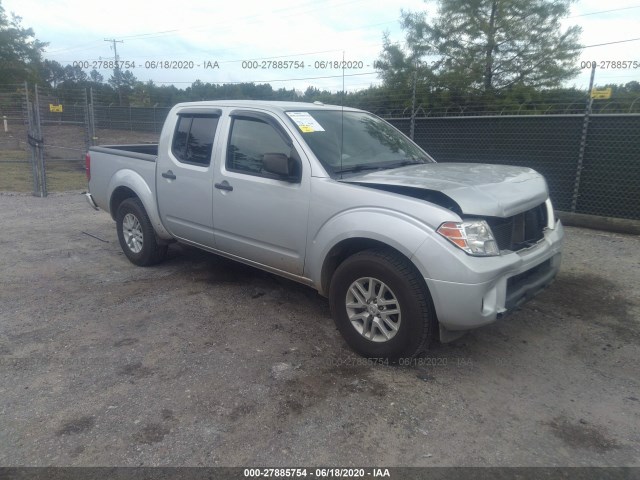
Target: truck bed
{"x":143,"y":151}
{"x":124,"y":166}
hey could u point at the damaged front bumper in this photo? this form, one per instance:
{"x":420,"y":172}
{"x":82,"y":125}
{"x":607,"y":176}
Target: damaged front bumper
{"x":505,"y":282}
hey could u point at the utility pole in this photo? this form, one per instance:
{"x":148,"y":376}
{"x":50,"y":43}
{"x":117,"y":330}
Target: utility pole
{"x":116,"y":70}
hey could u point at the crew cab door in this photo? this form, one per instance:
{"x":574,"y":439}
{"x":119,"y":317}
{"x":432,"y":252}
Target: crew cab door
{"x":260,"y":215}
{"x":184,"y":177}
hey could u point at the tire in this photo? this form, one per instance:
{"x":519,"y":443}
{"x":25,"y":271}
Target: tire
{"x":136,"y":234}
{"x":369,"y":323}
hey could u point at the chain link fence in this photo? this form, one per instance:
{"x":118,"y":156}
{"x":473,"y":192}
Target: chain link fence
{"x":46,"y":132}
{"x":114,"y":124}
{"x":15,"y":166}
{"x":610,"y":178}
{"x":592,"y":167}
{"x":62,"y":121}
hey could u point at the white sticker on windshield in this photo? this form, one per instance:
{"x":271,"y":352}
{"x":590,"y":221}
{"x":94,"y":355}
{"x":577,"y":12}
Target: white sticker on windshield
{"x":306,"y":123}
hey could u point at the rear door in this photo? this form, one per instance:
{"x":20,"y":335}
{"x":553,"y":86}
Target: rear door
{"x":256,"y":215}
{"x":184,"y":177}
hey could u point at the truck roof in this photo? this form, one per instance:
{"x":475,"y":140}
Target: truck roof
{"x":273,"y":106}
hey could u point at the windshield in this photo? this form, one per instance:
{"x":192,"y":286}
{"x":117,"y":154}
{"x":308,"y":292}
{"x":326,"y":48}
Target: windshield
{"x":350,"y":142}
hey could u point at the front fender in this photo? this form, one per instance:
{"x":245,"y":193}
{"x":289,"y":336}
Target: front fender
{"x":393,"y":228}
{"x":136,"y":183}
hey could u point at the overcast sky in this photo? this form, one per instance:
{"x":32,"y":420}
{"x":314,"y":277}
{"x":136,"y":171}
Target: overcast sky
{"x":229,"y":32}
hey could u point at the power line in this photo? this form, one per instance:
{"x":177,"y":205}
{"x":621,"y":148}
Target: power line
{"x":604,"y":11}
{"x":612,"y":43}
{"x":148,"y":34}
{"x":94,"y":44}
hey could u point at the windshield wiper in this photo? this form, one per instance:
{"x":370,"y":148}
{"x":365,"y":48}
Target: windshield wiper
{"x":379,"y":166}
{"x":359,"y":168}
{"x":404,"y":163}
{"x":384,"y":166}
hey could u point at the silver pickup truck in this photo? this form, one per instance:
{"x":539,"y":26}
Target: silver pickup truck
{"x":407,"y":250}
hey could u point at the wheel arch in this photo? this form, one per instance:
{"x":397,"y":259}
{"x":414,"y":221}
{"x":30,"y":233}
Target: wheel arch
{"x":129,"y":184}
{"x":346,"y":248}
{"x":119,"y":195}
{"x":360,"y":229}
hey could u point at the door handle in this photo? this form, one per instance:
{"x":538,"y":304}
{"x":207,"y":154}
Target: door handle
{"x":169,"y":174}
{"x":224,"y":186}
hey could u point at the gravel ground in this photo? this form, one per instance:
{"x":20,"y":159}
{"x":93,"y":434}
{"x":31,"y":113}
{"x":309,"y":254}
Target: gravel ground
{"x":201,"y":361}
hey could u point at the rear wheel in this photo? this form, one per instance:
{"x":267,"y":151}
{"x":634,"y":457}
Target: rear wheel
{"x":136,"y":235}
{"x":381,"y":305}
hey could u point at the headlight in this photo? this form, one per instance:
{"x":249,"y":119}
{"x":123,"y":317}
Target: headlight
{"x":472,"y":236}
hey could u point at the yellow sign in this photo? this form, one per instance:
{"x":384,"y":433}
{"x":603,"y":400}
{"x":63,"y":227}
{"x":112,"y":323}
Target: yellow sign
{"x":601,"y":94}
{"x":55,"y":108}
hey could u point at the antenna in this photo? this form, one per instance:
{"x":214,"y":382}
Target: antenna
{"x":342,"y":117}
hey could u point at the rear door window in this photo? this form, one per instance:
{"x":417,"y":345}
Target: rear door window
{"x":193,"y":139}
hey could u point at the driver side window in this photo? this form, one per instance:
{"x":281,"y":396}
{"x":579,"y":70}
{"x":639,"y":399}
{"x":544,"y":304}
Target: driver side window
{"x":249,"y":141}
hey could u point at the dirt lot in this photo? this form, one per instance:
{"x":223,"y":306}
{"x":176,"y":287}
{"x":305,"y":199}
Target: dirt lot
{"x":201,"y":361}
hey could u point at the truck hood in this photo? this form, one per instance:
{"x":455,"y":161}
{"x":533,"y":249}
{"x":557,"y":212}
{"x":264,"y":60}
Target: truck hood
{"x":478,"y":189}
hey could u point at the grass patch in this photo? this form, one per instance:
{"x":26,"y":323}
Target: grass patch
{"x":65,"y":175}
{"x":15,"y":177}
{"x":62,"y":176}
{"x":13,"y":155}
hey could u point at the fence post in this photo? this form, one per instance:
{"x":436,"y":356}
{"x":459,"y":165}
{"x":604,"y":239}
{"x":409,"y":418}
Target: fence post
{"x":413,"y":104}
{"x":92,"y":119}
{"x":86,"y":120}
{"x":583,"y":141}
{"x":39,"y":145}
{"x":30,"y":136}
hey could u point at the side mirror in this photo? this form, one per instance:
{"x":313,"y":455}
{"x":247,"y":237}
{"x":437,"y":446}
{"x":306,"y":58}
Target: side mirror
{"x":281,"y":166}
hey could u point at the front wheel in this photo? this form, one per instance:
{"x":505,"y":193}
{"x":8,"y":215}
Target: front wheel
{"x":381,"y":305}
{"x":136,"y":235}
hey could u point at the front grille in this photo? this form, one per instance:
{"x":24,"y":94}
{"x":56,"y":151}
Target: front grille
{"x":519,"y":231}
